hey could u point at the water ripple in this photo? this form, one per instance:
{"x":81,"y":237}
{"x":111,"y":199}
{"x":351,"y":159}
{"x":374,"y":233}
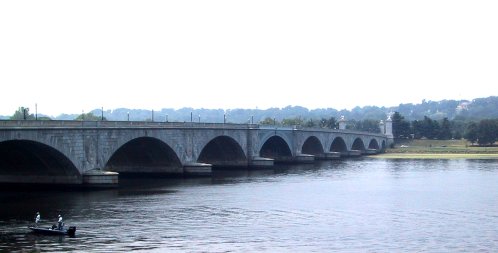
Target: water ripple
{"x":365,"y":205}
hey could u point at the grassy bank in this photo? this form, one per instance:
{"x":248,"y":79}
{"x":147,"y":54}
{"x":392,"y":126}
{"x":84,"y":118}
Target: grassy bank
{"x":439,"y":149}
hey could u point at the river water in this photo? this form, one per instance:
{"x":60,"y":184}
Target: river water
{"x":361,"y":205}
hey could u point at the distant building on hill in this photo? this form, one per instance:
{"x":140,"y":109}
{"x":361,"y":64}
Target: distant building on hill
{"x":464,"y":106}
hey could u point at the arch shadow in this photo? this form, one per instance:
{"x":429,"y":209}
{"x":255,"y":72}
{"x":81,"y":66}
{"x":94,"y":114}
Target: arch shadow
{"x":358,"y":145}
{"x":223,"y":151}
{"x":145,"y":155}
{"x":276,"y":148}
{"x":373,"y":144}
{"x":312,"y":146}
{"x":31,"y":162}
{"x":338,"y":145}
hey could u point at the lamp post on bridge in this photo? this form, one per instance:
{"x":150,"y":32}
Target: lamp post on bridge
{"x":24,"y":111}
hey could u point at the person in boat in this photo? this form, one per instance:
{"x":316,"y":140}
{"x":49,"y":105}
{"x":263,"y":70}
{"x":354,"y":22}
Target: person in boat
{"x":37,"y":218}
{"x":60,"y":224}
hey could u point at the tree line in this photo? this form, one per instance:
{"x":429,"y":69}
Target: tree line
{"x":484,"y":132}
{"x":366,"y":125}
{"x":22,"y":113}
{"x":463,"y":110}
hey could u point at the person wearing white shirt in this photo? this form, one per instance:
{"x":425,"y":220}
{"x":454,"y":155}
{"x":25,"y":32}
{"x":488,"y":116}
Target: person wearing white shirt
{"x":37,"y":218}
{"x":59,"y":223}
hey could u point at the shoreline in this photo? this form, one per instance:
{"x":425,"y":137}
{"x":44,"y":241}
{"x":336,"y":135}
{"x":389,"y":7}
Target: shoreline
{"x":406,"y":155}
{"x":439,"y":149}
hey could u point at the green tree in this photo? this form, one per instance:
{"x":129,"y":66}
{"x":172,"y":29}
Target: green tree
{"x":401,"y":127}
{"x":330,"y":123}
{"x":297,"y":121}
{"x":310,"y":123}
{"x":268,"y":121}
{"x":22,"y":114}
{"x":458,"y":126}
{"x":368,"y":125}
{"x":487,"y":133}
{"x":427,"y":128}
{"x":417,"y":129}
{"x":445,"y":130}
{"x":89,"y":117}
{"x":471,"y":132}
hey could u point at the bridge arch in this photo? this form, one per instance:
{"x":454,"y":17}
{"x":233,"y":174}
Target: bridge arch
{"x":144,"y":155}
{"x":338,"y":145}
{"x":276,"y":148}
{"x":358,"y":144}
{"x":374,"y":144}
{"x":312,"y":146}
{"x":223,"y":151}
{"x":27,"y":161}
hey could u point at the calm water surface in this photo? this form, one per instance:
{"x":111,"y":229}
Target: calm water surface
{"x":366,"y":205}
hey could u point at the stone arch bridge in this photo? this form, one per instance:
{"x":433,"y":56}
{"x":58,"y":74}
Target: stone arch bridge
{"x":63,"y":152}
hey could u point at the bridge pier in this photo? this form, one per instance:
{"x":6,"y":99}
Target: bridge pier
{"x":371,"y":152}
{"x":329,"y":156}
{"x":100,"y":179}
{"x":197,"y":169}
{"x":304,"y":158}
{"x":354,"y":153}
{"x":261,"y":162}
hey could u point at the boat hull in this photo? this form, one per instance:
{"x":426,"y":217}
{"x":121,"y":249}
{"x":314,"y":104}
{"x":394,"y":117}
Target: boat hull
{"x":71,"y":231}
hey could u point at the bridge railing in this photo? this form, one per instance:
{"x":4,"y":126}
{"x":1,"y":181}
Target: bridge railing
{"x":116,"y":124}
{"x":36,"y":124}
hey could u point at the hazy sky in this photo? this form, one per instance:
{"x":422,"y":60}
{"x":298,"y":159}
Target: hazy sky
{"x":69,"y":56}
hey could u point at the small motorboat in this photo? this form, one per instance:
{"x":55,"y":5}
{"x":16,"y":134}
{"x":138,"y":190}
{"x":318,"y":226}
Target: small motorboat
{"x":71,"y":231}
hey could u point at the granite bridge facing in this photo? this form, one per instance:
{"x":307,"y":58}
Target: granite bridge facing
{"x":89,"y":152}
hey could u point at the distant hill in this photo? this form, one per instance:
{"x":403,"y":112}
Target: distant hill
{"x":476,"y":109}
{"x":479,"y":108}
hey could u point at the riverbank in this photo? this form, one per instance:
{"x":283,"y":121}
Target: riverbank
{"x":439,"y":149}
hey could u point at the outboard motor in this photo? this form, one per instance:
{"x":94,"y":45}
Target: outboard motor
{"x":71,"y":231}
